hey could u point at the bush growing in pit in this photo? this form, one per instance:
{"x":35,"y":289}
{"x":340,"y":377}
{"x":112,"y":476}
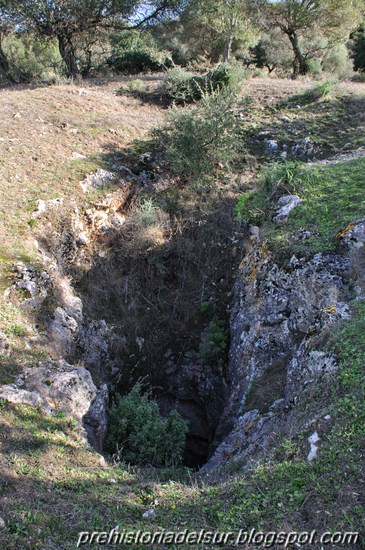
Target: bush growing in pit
{"x":139,"y":434}
{"x":202,"y":137}
{"x":215,"y":349}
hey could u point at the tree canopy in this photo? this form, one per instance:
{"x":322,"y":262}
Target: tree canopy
{"x":65,"y":19}
{"x":300,"y":18}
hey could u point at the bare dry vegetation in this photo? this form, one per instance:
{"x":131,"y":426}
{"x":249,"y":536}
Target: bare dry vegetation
{"x":43,"y":130}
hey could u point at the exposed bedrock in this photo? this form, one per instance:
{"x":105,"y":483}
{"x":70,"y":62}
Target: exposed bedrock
{"x":280,"y":322}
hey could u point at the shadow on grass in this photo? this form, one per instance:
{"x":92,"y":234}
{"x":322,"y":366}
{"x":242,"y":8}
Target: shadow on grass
{"x":333,"y":126}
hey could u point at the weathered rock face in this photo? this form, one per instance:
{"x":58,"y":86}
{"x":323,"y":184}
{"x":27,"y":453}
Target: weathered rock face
{"x":279,"y":322}
{"x":58,"y":386}
{"x":34,"y":284}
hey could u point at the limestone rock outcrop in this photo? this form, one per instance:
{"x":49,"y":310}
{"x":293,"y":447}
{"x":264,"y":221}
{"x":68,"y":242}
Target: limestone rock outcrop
{"x":58,"y":386}
{"x":281,"y":318}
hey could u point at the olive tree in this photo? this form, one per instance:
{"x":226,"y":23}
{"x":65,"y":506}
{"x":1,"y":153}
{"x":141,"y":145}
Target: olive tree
{"x":65,"y":20}
{"x":300,"y":19}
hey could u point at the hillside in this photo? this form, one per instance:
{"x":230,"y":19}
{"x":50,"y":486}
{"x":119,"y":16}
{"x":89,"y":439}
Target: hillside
{"x":151,"y":275}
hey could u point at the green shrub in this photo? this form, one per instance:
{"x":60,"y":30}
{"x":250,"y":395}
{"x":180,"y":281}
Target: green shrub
{"x":135,"y":86}
{"x":136,"y":53}
{"x":321,"y":90}
{"x":148,"y":213}
{"x":32,"y":58}
{"x":177,"y":85}
{"x":357,"y":48}
{"x":336,"y":61}
{"x":138,"y":433}
{"x":207,"y":308}
{"x":314,"y":67}
{"x":138,"y":61}
{"x":215,"y":349}
{"x":202,"y":137}
{"x":183,"y":86}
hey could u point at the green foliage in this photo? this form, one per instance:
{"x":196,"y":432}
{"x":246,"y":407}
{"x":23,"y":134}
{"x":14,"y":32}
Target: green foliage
{"x":333,"y":198}
{"x":349,"y":347}
{"x":336,"y":61}
{"x":10,"y":320}
{"x":357,"y":48}
{"x":301,"y":22}
{"x":260,"y":56}
{"x":138,"y":61}
{"x":148,"y":214}
{"x":67,"y":21}
{"x":136,"y":53}
{"x":215,"y":348}
{"x":207,"y":308}
{"x":182,"y":86}
{"x":135,"y":86}
{"x":271,"y":52}
{"x":139,"y":434}
{"x":251,"y":207}
{"x":278,"y":178}
{"x":284,"y":177}
{"x":177,"y":85}
{"x":31,"y":58}
{"x":321,"y":90}
{"x":202,"y":137}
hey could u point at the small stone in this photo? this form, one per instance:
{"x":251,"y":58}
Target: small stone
{"x":149,"y":514}
{"x":327,"y":417}
{"x":271,"y":146}
{"x":76,"y":156}
{"x":263,"y":135}
{"x":102,"y":462}
{"x":254,"y":230}
{"x":82,"y":239}
{"x":2,"y":524}
{"x":27,"y":344}
{"x":97,"y":180}
{"x":303,"y":149}
{"x":285,"y":205}
{"x":313,"y":439}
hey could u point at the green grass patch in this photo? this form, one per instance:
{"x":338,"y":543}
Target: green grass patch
{"x":333,"y":198}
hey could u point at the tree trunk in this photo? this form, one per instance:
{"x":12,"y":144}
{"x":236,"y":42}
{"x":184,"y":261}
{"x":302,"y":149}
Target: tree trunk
{"x":228,"y":46}
{"x":302,"y":67}
{"x":4,"y":65}
{"x":68,"y":55}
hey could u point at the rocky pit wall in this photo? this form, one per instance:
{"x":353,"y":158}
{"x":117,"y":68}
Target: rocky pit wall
{"x":279,"y":321}
{"x":279,"y":325}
